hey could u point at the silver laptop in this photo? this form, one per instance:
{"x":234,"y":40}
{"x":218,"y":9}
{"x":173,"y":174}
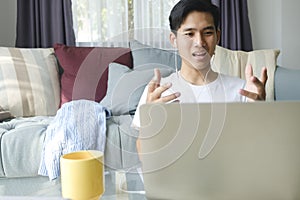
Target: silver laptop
{"x":221,"y":150}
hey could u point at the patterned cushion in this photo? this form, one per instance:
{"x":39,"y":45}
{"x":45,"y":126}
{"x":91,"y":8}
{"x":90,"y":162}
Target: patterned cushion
{"x":29,"y":81}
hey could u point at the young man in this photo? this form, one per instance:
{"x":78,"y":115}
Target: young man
{"x":194,"y":25}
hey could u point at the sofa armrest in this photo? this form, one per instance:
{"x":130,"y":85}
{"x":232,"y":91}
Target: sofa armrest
{"x":286,"y":84}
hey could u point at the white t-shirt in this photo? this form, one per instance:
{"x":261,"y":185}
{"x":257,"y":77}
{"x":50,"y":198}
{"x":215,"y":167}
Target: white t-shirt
{"x":224,"y":89}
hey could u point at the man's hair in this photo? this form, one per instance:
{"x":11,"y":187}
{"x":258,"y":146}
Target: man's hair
{"x":184,"y":7}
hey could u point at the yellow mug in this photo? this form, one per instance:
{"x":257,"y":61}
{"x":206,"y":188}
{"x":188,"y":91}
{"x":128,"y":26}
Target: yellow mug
{"x":82,"y":175}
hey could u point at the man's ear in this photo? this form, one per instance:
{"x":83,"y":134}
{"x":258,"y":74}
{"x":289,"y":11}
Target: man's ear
{"x":218,"y":36}
{"x":173,"y":40}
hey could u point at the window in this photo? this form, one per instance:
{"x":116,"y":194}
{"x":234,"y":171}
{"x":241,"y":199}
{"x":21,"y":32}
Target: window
{"x":115,"y":22}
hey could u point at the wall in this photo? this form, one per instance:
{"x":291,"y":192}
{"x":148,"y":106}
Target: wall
{"x":274,"y":24}
{"x":8,"y":16}
{"x":290,"y":33}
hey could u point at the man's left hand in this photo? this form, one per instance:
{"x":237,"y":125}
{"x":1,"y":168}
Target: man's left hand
{"x":255,"y":88}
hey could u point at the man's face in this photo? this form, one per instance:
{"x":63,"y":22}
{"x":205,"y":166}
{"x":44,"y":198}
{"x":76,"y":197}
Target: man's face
{"x":197,"y":38}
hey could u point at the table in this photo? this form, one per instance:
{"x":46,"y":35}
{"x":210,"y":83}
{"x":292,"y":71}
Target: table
{"x":47,"y":190}
{"x":120,"y":185}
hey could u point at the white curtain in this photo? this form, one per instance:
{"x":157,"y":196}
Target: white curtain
{"x":151,"y":21}
{"x":115,"y":22}
{"x":97,"y":22}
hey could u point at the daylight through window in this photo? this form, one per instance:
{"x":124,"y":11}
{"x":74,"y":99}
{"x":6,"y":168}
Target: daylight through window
{"x":115,"y":22}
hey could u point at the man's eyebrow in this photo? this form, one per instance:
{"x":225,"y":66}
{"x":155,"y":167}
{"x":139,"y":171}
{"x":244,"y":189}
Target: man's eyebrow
{"x":189,"y":29}
{"x":204,"y":29}
{"x":209,"y":28}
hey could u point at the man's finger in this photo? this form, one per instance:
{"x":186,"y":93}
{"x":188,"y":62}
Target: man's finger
{"x":264,"y":76}
{"x":152,"y":85}
{"x":170,"y":98}
{"x":162,"y":88}
{"x":155,"y":81}
{"x":157,"y":76}
{"x":250,"y":95}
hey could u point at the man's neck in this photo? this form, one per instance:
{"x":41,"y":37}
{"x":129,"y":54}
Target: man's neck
{"x":198,"y":77}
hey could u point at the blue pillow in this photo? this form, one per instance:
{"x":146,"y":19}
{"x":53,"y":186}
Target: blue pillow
{"x":144,"y":54}
{"x":125,"y":86}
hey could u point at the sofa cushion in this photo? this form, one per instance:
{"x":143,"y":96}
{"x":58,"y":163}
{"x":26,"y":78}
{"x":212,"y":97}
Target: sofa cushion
{"x":21,"y":143}
{"x":29,"y":81}
{"x":287,"y":84}
{"x":234,"y":62}
{"x":125,"y":86}
{"x":144,"y":54}
{"x":120,"y":149}
{"x":85,"y":70}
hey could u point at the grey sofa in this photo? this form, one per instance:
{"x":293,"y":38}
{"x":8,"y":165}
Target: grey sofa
{"x":22,"y":138}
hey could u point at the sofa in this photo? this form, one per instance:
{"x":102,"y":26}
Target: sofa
{"x":36,"y":83}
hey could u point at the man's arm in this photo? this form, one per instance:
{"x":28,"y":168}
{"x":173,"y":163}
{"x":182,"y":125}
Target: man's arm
{"x":154,"y":95}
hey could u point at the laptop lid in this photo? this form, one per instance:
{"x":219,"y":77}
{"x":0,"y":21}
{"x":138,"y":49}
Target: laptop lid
{"x":221,"y":150}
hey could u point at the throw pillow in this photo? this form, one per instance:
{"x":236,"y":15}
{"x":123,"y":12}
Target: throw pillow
{"x":125,"y":86}
{"x":29,"y":81}
{"x":234,"y":62}
{"x":85,"y":70}
{"x":145,"y":54}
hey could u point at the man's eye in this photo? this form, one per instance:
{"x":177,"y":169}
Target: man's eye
{"x":189,"y":34}
{"x":208,"y":33}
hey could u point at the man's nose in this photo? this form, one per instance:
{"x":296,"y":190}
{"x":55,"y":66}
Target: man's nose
{"x":199,"y":40}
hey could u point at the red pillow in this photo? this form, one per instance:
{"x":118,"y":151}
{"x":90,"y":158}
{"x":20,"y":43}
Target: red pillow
{"x":86,"y":70}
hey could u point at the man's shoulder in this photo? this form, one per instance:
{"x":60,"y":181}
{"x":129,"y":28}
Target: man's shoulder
{"x":169,"y":78}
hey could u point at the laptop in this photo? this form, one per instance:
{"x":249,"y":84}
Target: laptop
{"x":221,"y":150}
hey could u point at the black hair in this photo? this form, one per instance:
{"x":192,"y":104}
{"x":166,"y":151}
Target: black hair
{"x":184,"y":7}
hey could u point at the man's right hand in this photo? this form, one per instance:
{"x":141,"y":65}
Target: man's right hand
{"x":155,"y":90}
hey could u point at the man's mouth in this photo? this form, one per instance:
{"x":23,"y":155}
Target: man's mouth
{"x":199,"y":54}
